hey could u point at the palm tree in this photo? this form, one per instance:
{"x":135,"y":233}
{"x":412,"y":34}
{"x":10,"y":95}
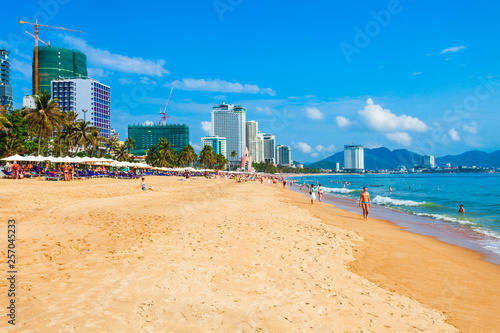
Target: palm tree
{"x":221,"y":161}
{"x":11,"y":145}
{"x":187,"y":156}
{"x":234,"y":154}
{"x":95,"y":139}
{"x":166,"y":153}
{"x":111,"y":143}
{"x":45,"y":116}
{"x":152,"y":156}
{"x":121,"y":153}
{"x":83,"y":129}
{"x":130,"y":144}
{"x":4,"y":122}
{"x":207,"y":157}
{"x":70,"y":131}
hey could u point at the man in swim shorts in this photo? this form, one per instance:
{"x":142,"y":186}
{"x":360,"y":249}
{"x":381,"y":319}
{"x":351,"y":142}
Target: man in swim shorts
{"x":364,"y":202}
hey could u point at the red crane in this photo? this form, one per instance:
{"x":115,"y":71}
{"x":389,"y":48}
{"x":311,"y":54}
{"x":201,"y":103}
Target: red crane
{"x":163,"y":111}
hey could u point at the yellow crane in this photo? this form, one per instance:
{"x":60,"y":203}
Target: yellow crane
{"x":36,"y":24}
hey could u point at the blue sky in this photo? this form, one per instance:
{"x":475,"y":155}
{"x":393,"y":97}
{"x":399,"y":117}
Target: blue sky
{"x":420,"y":75}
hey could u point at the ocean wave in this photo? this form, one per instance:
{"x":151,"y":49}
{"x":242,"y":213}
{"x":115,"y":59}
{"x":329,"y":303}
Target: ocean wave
{"x":445,"y":218}
{"x":379,"y":200}
{"x":337,"y":190}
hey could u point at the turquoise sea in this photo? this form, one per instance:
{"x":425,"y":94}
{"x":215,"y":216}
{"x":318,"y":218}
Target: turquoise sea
{"x":431,"y":199}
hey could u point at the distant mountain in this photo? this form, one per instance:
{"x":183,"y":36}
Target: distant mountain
{"x":470,"y":158}
{"x":375,"y":159}
{"x":382,"y":158}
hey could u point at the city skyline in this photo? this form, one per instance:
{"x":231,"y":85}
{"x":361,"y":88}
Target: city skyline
{"x":364,"y":83}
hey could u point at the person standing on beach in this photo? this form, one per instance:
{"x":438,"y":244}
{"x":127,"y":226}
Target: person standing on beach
{"x":312,"y":193}
{"x":320,"y":192}
{"x":364,"y":202}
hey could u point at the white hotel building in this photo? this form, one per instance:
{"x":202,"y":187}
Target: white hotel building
{"x":354,"y":158}
{"x":228,"y":121}
{"x":88,"y":97}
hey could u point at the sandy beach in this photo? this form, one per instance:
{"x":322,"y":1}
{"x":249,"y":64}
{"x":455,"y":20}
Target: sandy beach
{"x":214,"y":255}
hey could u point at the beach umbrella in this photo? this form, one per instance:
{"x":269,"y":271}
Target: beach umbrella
{"x":13,"y":158}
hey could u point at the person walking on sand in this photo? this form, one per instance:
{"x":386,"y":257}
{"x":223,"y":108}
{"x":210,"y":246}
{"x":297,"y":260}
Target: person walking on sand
{"x":364,"y":202}
{"x":312,"y":193}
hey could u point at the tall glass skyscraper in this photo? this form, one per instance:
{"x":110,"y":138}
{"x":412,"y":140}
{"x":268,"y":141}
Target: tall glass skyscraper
{"x":269,"y":148}
{"x":57,"y":62}
{"x":228,"y":121}
{"x":354,"y":158}
{"x":254,"y":141}
{"x":6,"y":91}
{"x":284,"y":155}
{"x":146,"y":136}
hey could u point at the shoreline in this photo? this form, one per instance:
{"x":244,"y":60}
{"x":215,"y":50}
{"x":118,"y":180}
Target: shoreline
{"x":453,"y":279}
{"x":451,"y":233}
{"x":102,"y":254}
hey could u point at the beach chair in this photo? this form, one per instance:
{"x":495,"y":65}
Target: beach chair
{"x":52,"y":176}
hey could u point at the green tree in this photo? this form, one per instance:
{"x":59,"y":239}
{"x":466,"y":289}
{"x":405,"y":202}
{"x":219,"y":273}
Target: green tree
{"x":207,"y":157}
{"x":187,"y":156}
{"x":130,"y":144}
{"x":83,"y":129}
{"x":121,"y":153}
{"x":166,"y":153}
{"x":11,"y":145}
{"x":45,"y":117}
{"x":4,"y":121}
{"x":221,"y":161}
{"x":234,"y":154}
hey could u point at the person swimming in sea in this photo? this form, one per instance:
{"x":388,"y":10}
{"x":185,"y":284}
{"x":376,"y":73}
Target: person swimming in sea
{"x":461,"y":210}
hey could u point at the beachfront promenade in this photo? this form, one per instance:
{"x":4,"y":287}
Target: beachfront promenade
{"x":202,"y":254}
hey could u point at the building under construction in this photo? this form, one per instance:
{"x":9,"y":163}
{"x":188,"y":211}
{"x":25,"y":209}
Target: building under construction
{"x":56,"y":63}
{"x":146,"y":136}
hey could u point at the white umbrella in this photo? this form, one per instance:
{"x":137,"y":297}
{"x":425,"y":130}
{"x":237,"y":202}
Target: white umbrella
{"x":13,"y":158}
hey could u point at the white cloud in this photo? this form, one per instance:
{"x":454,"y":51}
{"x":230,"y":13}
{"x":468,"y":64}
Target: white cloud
{"x":453,"y":49}
{"x":148,"y":123}
{"x":454,"y":134}
{"x":314,"y":113}
{"x":206,"y":126}
{"x":195,"y":146}
{"x":315,"y":154}
{"x":416,"y":73}
{"x":303,"y":147}
{"x":343,"y":122}
{"x":22,"y":67}
{"x":472,"y":128}
{"x":320,"y":148}
{"x":124,"y":80}
{"x":218,"y":85}
{"x":266,"y":110}
{"x":376,"y":118}
{"x":117,"y":62}
{"x":402,"y":138}
{"x":373,"y":145}
{"x":97,"y":72}
{"x":146,"y":80}
{"x":13,"y":49}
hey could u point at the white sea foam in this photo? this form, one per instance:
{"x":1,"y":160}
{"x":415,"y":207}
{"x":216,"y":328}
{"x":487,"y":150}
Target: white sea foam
{"x":379,"y":200}
{"x":337,"y":190}
{"x":446,"y":218}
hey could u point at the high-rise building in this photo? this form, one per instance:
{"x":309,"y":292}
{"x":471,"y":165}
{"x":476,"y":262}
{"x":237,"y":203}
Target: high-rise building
{"x":6,"y":91}
{"x":337,"y":167}
{"x":269,"y":147}
{"x":88,"y":97}
{"x":428,"y":161}
{"x":254,"y":141}
{"x":56,"y":63}
{"x":228,"y":121}
{"x":146,"y":136}
{"x":217,"y":143}
{"x":114,"y":134}
{"x":354,"y":158}
{"x":283,"y":155}
{"x":29,"y":102}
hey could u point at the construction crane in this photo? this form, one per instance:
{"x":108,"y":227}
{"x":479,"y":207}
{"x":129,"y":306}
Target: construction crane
{"x":163,"y":111}
{"x":36,"y":24}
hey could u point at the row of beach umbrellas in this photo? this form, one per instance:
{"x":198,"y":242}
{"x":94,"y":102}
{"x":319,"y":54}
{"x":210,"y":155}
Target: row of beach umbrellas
{"x":96,"y":161}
